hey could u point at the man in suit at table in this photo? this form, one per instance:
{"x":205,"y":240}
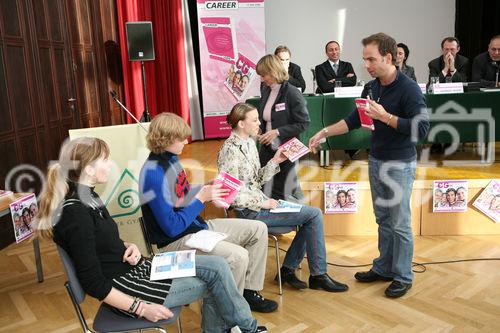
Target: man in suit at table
{"x":334,"y":70}
{"x":485,"y":66}
{"x":450,"y":64}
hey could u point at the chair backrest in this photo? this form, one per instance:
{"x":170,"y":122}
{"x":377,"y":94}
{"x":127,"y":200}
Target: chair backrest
{"x":145,"y":233}
{"x":73,"y":281}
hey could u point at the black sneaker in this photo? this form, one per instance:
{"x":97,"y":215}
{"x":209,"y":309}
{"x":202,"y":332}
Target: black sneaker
{"x":258,"y":303}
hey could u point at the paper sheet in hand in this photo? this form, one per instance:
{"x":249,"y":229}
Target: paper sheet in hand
{"x":170,"y":265}
{"x":205,"y":240}
{"x":286,"y":207}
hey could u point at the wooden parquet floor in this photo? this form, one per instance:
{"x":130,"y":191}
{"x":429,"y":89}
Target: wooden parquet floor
{"x":460,"y":297}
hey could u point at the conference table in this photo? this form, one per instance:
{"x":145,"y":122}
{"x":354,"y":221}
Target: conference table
{"x":469,"y":115}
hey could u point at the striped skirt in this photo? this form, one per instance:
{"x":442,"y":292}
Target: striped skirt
{"x":136,"y":283}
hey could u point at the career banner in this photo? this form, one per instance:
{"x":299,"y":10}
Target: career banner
{"x":232,"y":40}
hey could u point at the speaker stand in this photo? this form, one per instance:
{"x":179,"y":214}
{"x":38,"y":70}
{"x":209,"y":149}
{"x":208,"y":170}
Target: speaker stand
{"x":145,"y":115}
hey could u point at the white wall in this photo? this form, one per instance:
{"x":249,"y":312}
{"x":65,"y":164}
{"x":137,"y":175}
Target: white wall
{"x":306,"y":25}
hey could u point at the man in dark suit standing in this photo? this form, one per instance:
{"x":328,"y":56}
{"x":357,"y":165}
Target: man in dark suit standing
{"x":294,"y":73}
{"x":334,"y":70}
{"x":450,"y":66}
{"x":485,"y":66}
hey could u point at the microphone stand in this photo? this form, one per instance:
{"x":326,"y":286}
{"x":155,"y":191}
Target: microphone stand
{"x":145,"y":114}
{"x":113,"y":94}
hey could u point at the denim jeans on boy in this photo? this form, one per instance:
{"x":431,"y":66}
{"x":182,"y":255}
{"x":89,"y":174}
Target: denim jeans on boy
{"x":310,"y":237}
{"x":391,"y":184}
{"x":223,"y":306}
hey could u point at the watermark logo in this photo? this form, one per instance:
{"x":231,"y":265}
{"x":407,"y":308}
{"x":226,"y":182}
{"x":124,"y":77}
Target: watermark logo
{"x":454,"y":124}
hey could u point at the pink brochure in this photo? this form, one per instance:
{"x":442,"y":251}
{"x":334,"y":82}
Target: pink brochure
{"x":362,"y":105}
{"x":230,"y":183}
{"x":294,"y":149}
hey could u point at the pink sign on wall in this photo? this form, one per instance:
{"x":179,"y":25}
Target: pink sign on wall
{"x":232,"y":40}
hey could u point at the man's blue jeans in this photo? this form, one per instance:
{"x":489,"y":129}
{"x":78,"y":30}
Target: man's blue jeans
{"x":223,"y":306}
{"x":391,"y":184}
{"x":310,"y":238}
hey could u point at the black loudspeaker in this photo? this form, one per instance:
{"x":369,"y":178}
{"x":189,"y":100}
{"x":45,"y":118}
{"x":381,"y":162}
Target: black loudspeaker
{"x":140,"y":41}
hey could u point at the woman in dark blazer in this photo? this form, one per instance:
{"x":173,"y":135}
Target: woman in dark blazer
{"x":401,"y":58}
{"x":283,"y":115}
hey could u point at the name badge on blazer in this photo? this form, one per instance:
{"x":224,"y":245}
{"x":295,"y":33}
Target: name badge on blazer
{"x":280,"y":107}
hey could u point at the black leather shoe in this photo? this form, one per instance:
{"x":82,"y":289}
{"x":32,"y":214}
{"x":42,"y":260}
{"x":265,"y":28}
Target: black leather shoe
{"x":288,"y":276}
{"x":370,"y":276}
{"x":326,"y":283}
{"x":258,"y":303}
{"x":397,"y":289}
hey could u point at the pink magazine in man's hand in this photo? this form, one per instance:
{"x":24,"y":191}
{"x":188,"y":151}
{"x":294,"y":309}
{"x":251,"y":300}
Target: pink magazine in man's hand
{"x":294,"y":149}
{"x":230,"y":183}
{"x":362,"y":105}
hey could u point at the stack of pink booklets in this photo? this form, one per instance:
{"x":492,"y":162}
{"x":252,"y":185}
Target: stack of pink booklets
{"x":232,"y":184}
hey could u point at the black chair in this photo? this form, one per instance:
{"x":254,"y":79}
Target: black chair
{"x":107,"y":320}
{"x":145,"y":233}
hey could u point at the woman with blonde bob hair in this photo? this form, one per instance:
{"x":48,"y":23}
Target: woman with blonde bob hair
{"x":114,"y":271}
{"x":171,"y":211}
{"x":283,"y":116}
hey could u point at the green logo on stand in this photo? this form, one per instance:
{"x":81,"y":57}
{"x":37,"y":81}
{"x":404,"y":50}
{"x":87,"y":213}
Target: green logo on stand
{"x":124,"y":198}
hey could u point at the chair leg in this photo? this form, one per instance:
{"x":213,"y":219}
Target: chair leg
{"x":297,"y":230}
{"x":179,"y":325}
{"x":277,"y":251}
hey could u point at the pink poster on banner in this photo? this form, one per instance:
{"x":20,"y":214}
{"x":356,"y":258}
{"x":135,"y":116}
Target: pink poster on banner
{"x":232,"y":40}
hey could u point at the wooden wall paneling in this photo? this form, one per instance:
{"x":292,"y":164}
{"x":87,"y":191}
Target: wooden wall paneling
{"x":29,"y":149}
{"x":10,"y":158}
{"x":55,"y":20}
{"x":92,"y":87}
{"x":40,"y":20}
{"x":17,"y":84}
{"x":6,"y":117}
{"x":104,"y":23}
{"x":10,"y":18}
{"x":50,"y":107}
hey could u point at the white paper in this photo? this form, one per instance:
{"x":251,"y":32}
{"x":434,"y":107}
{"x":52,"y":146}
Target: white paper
{"x":286,"y":207}
{"x":348,"y":91}
{"x":205,"y":240}
{"x":448,"y":88}
{"x":170,"y":265}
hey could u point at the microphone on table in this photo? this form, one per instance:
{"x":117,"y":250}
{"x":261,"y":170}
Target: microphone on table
{"x":316,"y":86}
{"x":495,"y":64}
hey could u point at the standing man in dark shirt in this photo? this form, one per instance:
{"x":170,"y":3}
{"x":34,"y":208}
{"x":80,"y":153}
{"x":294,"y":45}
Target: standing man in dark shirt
{"x":334,"y":70}
{"x":294,"y":73}
{"x":486,"y":65}
{"x":399,"y":114}
{"x":450,"y":64}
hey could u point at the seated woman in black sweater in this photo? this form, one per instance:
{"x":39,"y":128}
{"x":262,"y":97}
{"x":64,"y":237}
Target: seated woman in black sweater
{"x":114,"y":271}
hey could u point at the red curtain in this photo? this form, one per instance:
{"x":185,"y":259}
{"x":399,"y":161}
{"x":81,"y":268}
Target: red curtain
{"x":166,"y":78}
